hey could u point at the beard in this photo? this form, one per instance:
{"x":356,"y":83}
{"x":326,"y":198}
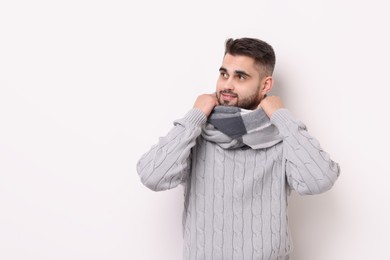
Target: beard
{"x":250,"y":102}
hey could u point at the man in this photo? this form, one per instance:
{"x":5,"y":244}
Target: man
{"x":238,"y":153}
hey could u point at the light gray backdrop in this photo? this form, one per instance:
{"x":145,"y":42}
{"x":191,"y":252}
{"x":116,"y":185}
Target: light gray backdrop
{"x":86,"y":87}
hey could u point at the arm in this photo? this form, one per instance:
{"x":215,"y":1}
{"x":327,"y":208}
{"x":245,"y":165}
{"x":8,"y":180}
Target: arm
{"x":167,"y":164}
{"x":309,"y":169}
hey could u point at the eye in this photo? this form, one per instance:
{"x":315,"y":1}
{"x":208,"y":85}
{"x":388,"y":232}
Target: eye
{"x":224,"y":75}
{"x":241,"y":77}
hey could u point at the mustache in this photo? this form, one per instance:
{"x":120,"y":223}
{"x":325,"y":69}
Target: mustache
{"x":229,"y":92}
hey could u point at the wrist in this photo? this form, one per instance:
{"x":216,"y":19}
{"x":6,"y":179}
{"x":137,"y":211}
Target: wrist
{"x":196,"y":117}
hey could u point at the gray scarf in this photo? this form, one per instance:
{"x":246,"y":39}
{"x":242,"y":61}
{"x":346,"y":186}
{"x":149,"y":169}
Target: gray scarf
{"x":233,"y":127}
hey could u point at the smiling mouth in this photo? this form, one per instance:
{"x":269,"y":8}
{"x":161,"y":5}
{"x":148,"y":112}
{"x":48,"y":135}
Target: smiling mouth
{"x":228,"y":96}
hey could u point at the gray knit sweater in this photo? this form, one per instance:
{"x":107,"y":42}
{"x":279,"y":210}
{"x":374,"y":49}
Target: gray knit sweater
{"x":236,"y":199}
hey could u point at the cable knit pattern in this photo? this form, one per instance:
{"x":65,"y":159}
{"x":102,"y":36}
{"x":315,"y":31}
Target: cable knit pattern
{"x":236,"y":199}
{"x":256,"y":205}
{"x":309,"y":168}
{"x":219,"y":190}
{"x":200,"y":168}
{"x":238,"y":204}
{"x":276,"y":211}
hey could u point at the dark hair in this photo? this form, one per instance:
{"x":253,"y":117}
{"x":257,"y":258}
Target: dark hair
{"x":260,"y":51}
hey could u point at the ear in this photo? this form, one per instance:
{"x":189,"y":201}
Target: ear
{"x":267,"y":84}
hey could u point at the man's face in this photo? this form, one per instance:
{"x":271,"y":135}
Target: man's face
{"x":240,"y":82}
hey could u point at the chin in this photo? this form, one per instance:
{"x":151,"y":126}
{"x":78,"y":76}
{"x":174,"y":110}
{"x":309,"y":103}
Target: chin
{"x":230,"y":104}
{"x":227,"y":103}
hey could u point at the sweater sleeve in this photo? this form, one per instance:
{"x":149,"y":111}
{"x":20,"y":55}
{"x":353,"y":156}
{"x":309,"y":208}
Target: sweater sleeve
{"x":167,"y":164}
{"x":309,"y":169}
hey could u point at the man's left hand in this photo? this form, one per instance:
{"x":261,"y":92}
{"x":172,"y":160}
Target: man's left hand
{"x":270,"y":104}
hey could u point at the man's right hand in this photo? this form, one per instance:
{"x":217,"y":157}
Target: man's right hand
{"x":206,"y":103}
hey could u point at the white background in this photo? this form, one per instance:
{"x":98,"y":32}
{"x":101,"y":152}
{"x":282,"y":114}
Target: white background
{"x":86,"y":87}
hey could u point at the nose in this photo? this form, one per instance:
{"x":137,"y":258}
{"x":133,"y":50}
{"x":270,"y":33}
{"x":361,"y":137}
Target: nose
{"x":228,"y":84}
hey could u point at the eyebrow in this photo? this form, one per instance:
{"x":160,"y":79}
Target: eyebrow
{"x":222,"y":69}
{"x":237,"y":72}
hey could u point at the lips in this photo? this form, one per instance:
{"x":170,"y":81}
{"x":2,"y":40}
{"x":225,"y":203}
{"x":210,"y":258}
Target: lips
{"x":228,"y":96}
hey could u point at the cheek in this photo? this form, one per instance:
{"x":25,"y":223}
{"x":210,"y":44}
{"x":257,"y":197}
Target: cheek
{"x":218,"y":86}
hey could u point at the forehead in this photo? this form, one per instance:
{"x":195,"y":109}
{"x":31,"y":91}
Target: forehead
{"x":239,"y":62}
